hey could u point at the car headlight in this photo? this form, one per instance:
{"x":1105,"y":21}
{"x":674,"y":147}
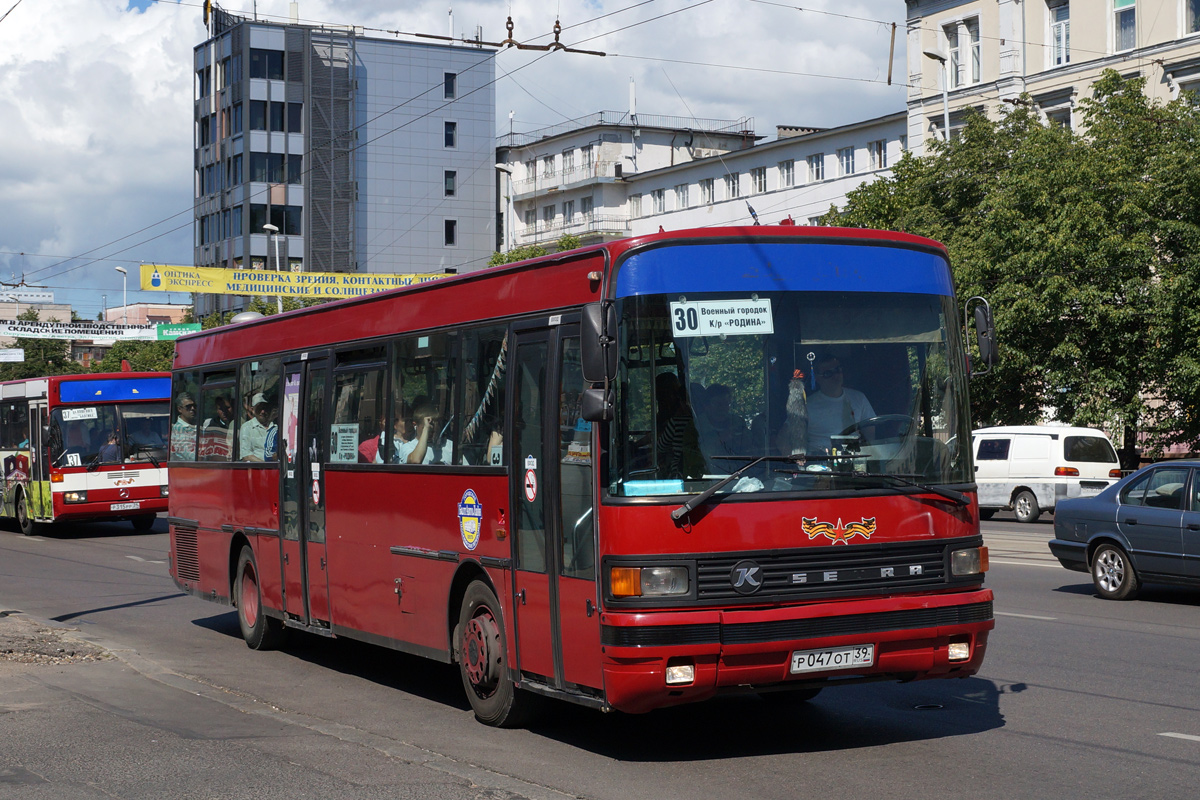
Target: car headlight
{"x":648,"y":581}
{"x":969,"y":561}
{"x":74,"y":497}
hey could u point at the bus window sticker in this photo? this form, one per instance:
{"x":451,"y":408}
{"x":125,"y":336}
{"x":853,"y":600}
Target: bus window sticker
{"x":72,"y":414}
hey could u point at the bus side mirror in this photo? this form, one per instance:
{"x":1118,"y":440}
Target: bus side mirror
{"x":985,"y":335}
{"x":598,"y":344}
{"x":596,"y":405}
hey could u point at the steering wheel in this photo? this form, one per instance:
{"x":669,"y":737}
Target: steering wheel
{"x":903,"y":424}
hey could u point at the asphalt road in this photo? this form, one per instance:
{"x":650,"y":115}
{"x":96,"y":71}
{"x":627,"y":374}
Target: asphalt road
{"x":1078,"y":698}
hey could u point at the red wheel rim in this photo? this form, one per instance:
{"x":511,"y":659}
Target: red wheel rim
{"x":249,"y":596}
{"x":479,"y":658}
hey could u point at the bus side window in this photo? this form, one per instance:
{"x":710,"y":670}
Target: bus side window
{"x":184,"y":393}
{"x":484,"y":357}
{"x":423,"y":397}
{"x":358,"y":415}
{"x":258,"y":411}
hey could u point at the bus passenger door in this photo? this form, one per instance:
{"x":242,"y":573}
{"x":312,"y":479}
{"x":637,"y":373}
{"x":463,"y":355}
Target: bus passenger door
{"x":302,"y":482}
{"x":557,"y":623}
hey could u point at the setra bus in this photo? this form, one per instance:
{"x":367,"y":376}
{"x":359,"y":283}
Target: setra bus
{"x":630,"y":476}
{"x":85,"y":448}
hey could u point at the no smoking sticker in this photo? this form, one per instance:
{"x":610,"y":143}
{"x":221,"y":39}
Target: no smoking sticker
{"x":530,"y":485}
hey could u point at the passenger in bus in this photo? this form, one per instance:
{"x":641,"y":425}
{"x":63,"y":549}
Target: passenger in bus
{"x":833,"y":408}
{"x":183,"y":430}
{"x":675,"y":441}
{"x":76,"y":441}
{"x":402,"y":433}
{"x":216,"y":435}
{"x":142,"y":433}
{"x":253,"y":438}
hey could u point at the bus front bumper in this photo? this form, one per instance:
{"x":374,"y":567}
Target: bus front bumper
{"x":752,"y":650}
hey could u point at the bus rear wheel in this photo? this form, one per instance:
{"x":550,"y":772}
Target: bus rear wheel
{"x":260,"y":631}
{"x":143,"y":523}
{"x":482,"y":661}
{"x":28,"y":526}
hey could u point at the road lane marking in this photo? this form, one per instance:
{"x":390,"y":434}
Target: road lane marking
{"x":144,"y":561}
{"x":1024,"y":616}
{"x":1055,"y":565}
{"x":1187,"y":736}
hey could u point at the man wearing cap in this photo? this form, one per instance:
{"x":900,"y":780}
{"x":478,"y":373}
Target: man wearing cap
{"x":253,"y":438}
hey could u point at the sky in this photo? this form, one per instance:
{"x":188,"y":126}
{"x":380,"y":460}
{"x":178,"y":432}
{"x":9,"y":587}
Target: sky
{"x":96,"y":98}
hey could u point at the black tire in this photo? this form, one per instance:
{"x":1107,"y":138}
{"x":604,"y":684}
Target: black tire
{"x":1025,"y":507}
{"x":28,"y":526}
{"x":986,"y":513}
{"x":483,"y":661}
{"x":1113,"y":574}
{"x":260,"y":631}
{"x":143,"y":523}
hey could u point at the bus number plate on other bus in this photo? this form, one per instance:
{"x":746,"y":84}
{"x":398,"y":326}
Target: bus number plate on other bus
{"x":124,"y":506}
{"x":861,"y":655}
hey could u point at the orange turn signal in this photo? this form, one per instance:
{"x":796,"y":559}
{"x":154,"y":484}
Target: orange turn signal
{"x":626,"y":581}
{"x":56,"y":477}
{"x":1066,"y":471}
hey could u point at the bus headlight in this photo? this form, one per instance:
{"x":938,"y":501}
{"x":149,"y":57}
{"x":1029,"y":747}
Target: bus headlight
{"x":648,"y":581}
{"x":164,"y":491}
{"x":74,"y":497}
{"x":969,"y":561}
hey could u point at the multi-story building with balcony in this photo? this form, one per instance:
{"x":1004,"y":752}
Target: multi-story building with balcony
{"x":987,"y":52}
{"x":612,"y":175}
{"x":367,"y":154}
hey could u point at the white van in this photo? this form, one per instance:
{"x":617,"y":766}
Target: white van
{"x":1029,"y":468}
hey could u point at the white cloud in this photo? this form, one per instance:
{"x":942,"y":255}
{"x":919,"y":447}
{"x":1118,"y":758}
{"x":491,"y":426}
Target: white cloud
{"x":96,"y":98}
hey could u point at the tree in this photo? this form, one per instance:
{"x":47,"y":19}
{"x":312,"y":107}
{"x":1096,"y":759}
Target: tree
{"x":143,"y":356}
{"x":42,"y":356}
{"x":1086,"y":245}
{"x":568,"y":241}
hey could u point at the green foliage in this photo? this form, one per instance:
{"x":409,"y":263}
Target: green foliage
{"x":568,"y":241}
{"x":1087,"y":246}
{"x":42,"y":356}
{"x":142,"y":357}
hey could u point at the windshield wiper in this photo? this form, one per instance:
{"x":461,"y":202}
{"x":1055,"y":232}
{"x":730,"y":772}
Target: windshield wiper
{"x":148,"y":450}
{"x":958,"y":498}
{"x":703,"y":497}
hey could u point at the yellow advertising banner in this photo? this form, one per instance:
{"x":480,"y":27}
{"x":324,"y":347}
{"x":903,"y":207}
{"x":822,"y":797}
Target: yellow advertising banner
{"x":215,"y":280}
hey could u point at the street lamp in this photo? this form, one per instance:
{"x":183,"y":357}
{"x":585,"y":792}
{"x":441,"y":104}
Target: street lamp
{"x":508,"y":222}
{"x":940,"y":57}
{"x":124,"y":294}
{"x":274,"y":231}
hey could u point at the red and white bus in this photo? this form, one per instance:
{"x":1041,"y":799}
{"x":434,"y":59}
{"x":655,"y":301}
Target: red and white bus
{"x":85,"y":448}
{"x":630,"y":476}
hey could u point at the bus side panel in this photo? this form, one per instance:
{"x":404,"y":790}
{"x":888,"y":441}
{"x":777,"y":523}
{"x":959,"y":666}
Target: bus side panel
{"x":371,"y":512}
{"x":240,"y":498}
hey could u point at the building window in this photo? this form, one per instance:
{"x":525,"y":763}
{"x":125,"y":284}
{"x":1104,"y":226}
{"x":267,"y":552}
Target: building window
{"x":733,"y":186}
{"x":450,"y":227}
{"x":904,"y":143}
{"x":1191,"y":16}
{"x":450,"y":85}
{"x":547,"y":166}
{"x":1059,"y":116}
{"x":451,"y":134}
{"x":1060,"y":32}
{"x":816,"y":167}
{"x":954,"y":65}
{"x":659,"y":201}
{"x":877,"y":152}
{"x":568,"y":159}
{"x":585,"y":156}
{"x":814,"y":220}
{"x":845,"y":157}
{"x":706,"y":192}
{"x":585,"y":208}
{"x":203,"y":82}
{"x":531,"y":169}
{"x":568,"y":212}
{"x":972,"y":26}
{"x":787,"y":174}
{"x":635,"y":206}
{"x":295,"y":113}
{"x":266,"y":64}
{"x":758,"y":180}
{"x":1125,"y":24}
{"x":530,"y":218}
{"x":548,"y":216}
{"x":450,"y":181}
{"x":681,"y":196}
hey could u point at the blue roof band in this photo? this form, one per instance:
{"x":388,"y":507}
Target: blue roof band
{"x":110,"y":389}
{"x":783,"y":266}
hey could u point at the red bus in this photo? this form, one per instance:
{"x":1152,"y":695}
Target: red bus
{"x":629,"y":476}
{"x":85,"y":448}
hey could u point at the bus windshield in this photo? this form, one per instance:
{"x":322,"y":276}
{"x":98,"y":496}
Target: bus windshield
{"x":839,"y":390}
{"x":113,"y":433}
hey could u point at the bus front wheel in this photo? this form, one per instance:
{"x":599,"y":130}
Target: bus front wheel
{"x":28,"y":526}
{"x":143,"y":523}
{"x":483,"y":658}
{"x":260,"y":631}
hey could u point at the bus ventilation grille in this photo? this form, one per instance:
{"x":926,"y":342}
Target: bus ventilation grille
{"x":187,"y":560}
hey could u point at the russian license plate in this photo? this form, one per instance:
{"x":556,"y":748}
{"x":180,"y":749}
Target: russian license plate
{"x":124,"y":506}
{"x":858,"y":655}
{"x":1088,"y":489}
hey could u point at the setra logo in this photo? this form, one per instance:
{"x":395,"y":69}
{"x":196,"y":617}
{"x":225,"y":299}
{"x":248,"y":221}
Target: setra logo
{"x":839,"y":534}
{"x":746,"y":577}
